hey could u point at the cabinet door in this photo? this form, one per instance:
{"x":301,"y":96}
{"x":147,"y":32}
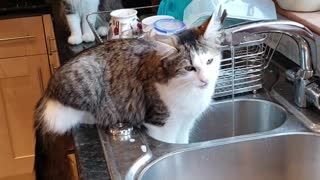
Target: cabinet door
{"x":22,"y":82}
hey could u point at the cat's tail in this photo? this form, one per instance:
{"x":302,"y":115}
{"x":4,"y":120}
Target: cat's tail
{"x":51,"y":161}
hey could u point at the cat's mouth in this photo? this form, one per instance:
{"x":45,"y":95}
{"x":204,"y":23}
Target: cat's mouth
{"x":203,"y":86}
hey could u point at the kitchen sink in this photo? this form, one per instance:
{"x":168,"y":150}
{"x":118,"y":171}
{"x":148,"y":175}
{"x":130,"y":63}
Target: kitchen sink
{"x":238,"y":117}
{"x":283,"y":157}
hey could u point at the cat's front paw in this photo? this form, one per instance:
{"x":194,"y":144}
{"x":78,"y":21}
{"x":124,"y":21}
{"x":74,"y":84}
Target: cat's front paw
{"x":74,"y":39}
{"x":103,"y":30}
{"x":88,"y":37}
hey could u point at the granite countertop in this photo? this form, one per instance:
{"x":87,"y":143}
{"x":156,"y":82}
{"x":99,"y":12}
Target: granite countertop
{"x":89,"y":154}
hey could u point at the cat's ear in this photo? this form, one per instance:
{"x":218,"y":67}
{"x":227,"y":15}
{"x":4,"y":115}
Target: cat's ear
{"x":201,"y":29}
{"x":166,"y":48}
{"x":169,"y":41}
{"x":211,"y":29}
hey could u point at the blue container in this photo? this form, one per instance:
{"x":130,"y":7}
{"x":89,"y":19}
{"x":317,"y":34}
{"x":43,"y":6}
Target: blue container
{"x":168,"y":26}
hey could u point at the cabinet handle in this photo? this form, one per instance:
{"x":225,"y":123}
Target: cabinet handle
{"x":16,"y":38}
{"x":41,"y":80}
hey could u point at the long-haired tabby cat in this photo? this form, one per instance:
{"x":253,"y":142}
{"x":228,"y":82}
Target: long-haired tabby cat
{"x":135,"y":81}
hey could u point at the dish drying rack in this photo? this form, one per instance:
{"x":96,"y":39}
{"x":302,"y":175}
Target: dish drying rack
{"x":242,"y":66}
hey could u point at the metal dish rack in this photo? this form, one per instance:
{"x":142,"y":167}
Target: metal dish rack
{"x":242,"y":66}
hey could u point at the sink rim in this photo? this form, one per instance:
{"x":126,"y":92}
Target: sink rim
{"x":245,"y":98}
{"x":224,"y":141}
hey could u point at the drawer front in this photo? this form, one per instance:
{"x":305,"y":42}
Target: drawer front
{"x":21,"y":37}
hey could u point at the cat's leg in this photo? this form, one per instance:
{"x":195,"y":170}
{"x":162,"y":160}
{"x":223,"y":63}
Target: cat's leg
{"x":89,"y":7}
{"x":75,"y":29}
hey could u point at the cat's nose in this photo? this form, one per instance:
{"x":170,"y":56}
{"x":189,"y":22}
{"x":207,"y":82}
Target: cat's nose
{"x":204,"y":82}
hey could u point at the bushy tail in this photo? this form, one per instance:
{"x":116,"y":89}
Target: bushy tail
{"x":51,"y":161}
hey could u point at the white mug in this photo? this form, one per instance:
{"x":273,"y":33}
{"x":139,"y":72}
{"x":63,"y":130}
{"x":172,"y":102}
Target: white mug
{"x":123,"y":23}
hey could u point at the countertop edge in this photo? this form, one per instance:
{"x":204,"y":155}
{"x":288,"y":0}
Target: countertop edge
{"x":91,"y":162}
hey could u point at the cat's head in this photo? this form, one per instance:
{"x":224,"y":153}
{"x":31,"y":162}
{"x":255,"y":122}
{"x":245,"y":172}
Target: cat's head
{"x":196,"y":60}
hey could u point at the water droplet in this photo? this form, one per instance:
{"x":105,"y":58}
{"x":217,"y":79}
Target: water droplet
{"x":143,"y":148}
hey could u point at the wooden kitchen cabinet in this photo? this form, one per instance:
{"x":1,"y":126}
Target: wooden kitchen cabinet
{"x":28,"y":54}
{"x":52,"y":49}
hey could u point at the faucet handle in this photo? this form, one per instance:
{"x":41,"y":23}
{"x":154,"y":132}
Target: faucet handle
{"x":313,"y":93}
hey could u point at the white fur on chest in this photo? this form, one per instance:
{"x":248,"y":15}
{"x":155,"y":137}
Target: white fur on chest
{"x":185,"y":104}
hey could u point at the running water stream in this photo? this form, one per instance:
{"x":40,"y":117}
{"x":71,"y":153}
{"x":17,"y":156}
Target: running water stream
{"x":233,"y":77}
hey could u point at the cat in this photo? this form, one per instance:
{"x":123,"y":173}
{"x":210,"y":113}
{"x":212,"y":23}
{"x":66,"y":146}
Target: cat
{"x":146,"y":83}
{"x":76,"y":12}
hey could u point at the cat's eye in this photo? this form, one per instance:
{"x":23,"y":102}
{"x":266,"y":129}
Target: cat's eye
{"x":190,"y":68}
{"x":209,"y":61}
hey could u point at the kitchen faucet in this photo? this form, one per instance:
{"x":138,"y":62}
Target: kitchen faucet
{"x":306,"y":89}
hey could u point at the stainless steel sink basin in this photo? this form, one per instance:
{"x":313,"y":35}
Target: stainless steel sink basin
{"x":239,"y":117}
{"x":284,"y":157}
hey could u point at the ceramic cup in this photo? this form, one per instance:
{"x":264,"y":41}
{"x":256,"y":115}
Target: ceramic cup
{"x":123,"y":23}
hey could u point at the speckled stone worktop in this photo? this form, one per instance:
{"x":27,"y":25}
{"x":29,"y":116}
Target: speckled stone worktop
{"x":89,"y":155}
